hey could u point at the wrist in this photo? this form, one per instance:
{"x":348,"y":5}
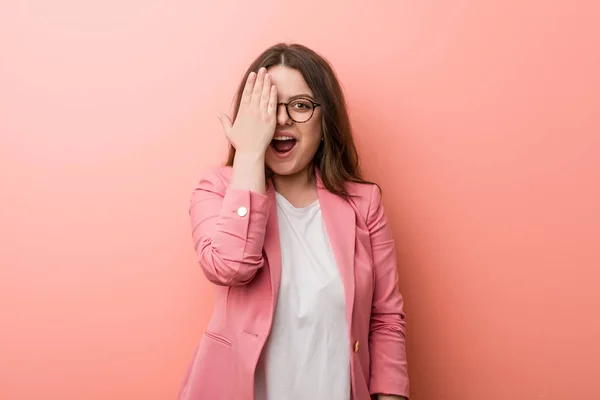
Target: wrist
{"x":249,"y":157}
{"x":249,"y":172}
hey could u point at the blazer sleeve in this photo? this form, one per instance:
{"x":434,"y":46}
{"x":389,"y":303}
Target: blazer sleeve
{"x":228,"y":230}
{"x":389,"y":372}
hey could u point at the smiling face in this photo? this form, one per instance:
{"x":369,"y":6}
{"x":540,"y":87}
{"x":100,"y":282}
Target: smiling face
{"x":295,"y":144}
{"x":336,"y":156}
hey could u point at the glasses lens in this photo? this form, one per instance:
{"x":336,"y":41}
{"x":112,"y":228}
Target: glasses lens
{"x":300,"y":110}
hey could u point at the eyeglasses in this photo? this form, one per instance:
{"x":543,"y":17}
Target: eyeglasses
{"x":300,"y":110}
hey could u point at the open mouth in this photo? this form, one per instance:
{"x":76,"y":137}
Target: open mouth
{"x":283,"y":144}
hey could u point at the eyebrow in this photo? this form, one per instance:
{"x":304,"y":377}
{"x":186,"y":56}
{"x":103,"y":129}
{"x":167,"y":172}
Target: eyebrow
{"x":301,"y":96}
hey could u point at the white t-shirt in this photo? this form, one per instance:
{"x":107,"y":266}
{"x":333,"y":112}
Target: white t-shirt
{"x":307,"y":355}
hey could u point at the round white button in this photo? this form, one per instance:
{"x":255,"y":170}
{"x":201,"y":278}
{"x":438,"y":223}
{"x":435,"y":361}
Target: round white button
{"x":242,"y":211}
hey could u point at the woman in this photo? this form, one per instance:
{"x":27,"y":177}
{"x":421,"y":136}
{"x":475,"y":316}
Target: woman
{"x":298,"y":244}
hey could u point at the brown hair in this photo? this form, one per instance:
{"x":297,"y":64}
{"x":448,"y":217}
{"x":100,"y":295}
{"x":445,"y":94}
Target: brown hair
{"x":336,"y":158}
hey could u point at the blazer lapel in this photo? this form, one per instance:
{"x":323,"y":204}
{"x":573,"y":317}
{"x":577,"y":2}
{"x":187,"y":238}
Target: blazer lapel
{"x":340,"y":224}
{"x":272,"y":245}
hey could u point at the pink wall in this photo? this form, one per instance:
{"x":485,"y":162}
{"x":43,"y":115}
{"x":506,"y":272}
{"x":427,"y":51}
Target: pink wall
{"x":479,"y":119}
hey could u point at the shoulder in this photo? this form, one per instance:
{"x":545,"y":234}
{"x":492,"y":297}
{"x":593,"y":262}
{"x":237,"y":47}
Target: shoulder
{"x":216,"y":178}
{"x":365,"y":197}
{"x":363,"y":192}
{"x":357,"y":189}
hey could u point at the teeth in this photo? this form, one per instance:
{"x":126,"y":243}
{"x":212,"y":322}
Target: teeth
{"x":283,"y":138}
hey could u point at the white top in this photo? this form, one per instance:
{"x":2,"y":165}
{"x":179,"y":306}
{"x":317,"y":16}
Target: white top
{"x":307,"y":355}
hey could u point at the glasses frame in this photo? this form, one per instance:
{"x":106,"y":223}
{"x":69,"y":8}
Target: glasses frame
{"x":315,"y":105}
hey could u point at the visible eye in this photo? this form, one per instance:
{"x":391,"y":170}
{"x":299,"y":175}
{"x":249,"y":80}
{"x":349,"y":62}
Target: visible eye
{"x":301,"y":105}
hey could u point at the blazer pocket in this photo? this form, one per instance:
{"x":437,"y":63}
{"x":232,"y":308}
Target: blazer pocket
{"x":218,"y":338}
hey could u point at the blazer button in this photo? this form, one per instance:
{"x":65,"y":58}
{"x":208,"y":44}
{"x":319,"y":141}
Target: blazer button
{"x":242,"y":211}
{"x":356,"y":346}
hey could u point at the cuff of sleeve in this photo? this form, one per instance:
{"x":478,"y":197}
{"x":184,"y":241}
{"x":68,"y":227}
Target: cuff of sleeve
{"x":244,"y":216}
{"x":245,"y":202}
{"x":389,"y":387}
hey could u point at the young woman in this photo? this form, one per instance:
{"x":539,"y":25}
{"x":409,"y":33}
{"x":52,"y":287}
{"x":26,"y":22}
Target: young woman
{"x":307,"y":305}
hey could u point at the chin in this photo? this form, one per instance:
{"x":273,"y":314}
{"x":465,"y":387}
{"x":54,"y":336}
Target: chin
{"x":286,"y":168}
{"x":282,"y":170}
{"x":294,"y":163}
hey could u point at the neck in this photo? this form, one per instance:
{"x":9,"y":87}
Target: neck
{"x":299,"y":188}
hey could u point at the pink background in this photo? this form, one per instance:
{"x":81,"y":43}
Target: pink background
{"x":478,"y":118}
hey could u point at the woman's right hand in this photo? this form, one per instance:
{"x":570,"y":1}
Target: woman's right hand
{"x":254,"y":126}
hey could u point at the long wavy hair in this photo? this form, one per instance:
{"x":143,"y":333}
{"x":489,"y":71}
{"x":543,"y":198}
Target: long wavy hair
{"x":336,"y":158}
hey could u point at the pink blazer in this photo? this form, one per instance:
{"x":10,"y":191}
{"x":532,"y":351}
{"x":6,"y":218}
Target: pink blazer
{"x":237,"y":243}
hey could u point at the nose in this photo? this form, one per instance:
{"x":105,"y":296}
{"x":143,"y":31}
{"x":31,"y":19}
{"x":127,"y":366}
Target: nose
{"x":282,"y":116}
